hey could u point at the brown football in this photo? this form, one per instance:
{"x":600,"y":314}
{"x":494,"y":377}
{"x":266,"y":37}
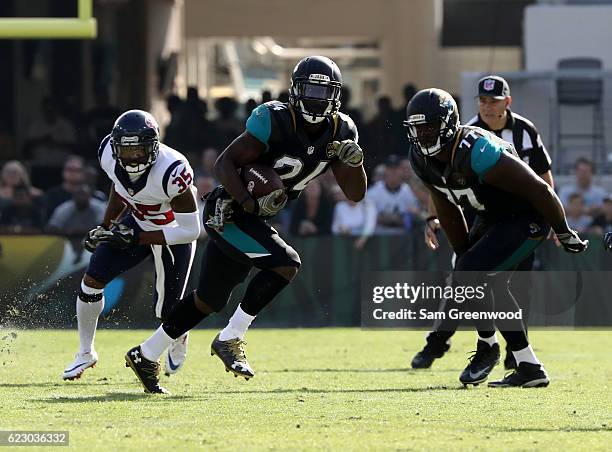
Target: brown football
{"x":260,"y":180}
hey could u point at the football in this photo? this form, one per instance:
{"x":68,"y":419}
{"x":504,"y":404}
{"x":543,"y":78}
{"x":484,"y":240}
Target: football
{"x":260,"y":180}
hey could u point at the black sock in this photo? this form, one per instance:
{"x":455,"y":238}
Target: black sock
{"x":183,"y":317}
{"x":262,"y":289}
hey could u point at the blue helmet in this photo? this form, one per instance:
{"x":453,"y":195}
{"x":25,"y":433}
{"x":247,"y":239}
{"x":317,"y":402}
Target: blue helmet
{"x":135,"y":141}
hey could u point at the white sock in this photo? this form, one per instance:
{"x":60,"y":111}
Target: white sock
{"x":87,"y":318}
{"x":526,"y":355}
{"x":156,"y":345}
{"x":238,"y":325}
{"x":489,"y":340}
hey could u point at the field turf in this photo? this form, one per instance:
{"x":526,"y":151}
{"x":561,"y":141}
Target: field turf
{"x":340,"y":389}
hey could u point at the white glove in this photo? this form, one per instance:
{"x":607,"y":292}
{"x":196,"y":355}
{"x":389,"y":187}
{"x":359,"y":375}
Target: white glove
{"x":272,"y":203}
{"x":93,"y":238}
{"x":571,"y":242}
{"x":348,"y":152}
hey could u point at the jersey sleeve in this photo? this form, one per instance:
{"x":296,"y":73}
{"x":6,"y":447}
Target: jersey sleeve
{"x":485,"y":154}
{"x":177,"y":178}
{"x":348,"y":129}
{"x":259,"y":124}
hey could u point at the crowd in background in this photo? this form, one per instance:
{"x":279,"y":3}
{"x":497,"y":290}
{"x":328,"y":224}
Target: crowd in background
{"x":54,"y":186}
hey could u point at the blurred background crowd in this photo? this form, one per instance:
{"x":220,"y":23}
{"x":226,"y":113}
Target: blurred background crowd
{"x":201,"y":69}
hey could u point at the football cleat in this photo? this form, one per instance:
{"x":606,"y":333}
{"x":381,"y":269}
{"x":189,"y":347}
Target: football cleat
{"x":526,"y":375}
{"x":177,"y":352}
{"x":482,"y":362}
{"x":146,"y":371}
{"x":82,"y":362}
{"x":231,"y":352}
{"x":435,"y":348}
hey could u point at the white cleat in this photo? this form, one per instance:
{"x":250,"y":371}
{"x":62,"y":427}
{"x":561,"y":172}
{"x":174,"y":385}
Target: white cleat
{"x":82,"y":362}
{"x":177,"y":352}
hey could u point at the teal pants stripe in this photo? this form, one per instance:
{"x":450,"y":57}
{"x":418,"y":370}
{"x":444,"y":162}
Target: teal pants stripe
{"x":520,"y":254}
{"x":241,"y":240}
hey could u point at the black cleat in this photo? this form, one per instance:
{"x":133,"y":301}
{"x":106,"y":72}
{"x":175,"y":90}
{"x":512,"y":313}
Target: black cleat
{"x":526,"y":375}
{"x":231,"y":352}
{"x":509,"y":361}
{"x":435,"y":348}
{"x":482,"y":362}
{"x":146,"y":371}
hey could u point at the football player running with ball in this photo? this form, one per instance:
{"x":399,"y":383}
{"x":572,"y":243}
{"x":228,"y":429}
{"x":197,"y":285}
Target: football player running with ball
{"x":300,"y":139}
{"x":515,"y":210}
{"x":151,"y":210}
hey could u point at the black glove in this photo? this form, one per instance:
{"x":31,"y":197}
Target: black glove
{"x":93,"y":237}
{"x":120,"y":236}
{"x":607,"y":241}
{"x":571,"y":242}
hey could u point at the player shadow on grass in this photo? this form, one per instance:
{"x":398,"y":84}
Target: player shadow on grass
{"x":344,"y":391}
{"x":407,"y":370}
{"x":113,"y":397}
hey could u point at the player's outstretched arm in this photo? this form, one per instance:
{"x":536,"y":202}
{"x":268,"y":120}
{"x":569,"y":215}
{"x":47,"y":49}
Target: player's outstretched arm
{"x":452,"y":221}
{"x":352,"y":180}
{"x":114,"y":208}
{"x":243,"y":150}
{"x":511,"y":174}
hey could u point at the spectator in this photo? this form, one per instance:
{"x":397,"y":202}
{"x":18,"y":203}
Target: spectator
{"x":379,"y":137}
{"x":266,"y":96}
{"x":51,"y":138}
{"x":78,"y":215}
{"x":577,"y":219}
{"x":209,"y":157}
{"x":14,"y":174}
{"x":313,"y":212}
{"x":172,"y":137}
{"x":394,"y":200}
{"x":91,"y":176}
{"x":249,"y":106}
{"x":101,"y":118}
{"x":355,"y":219}
{"x":226,"y":126}
{"x":406,"y":169}
{"x":345,"y":106}
{"x":21,"y":214}
{"x":283,"y":97}
{"x":73,"y":175}
{"x":603,"y":222}
{"x":593,"y":195}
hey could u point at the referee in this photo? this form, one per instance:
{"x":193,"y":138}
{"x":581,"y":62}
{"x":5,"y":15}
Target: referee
{"x":494,"y":115}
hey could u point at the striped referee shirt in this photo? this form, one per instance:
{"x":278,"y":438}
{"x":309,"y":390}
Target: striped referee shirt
{"x":524,"y":136}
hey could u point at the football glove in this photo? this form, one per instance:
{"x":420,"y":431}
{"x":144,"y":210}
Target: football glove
{"x":223,"y":214}
{"x":571,"y":242}
{"x":348,"y":152}
{"x":120,"y":236}
{"x":92,"y":239}
{"x":607,"y":240}
{"x":272,"y":203}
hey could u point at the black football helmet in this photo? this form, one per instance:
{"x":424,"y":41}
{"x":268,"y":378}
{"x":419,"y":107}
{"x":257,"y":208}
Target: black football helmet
{"x":432,"y":119}
{"x":135,"y":141}
{"x":316,"y":83}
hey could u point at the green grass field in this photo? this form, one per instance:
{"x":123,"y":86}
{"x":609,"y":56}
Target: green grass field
{"x":319,"y":388}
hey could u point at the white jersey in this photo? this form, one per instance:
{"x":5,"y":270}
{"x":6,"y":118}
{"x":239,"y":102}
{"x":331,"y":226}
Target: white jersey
{"x":149,"y":196}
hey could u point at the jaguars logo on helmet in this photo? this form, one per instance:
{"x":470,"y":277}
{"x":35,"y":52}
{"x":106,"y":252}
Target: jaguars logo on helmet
{"x":316,"y":83}
{"x":135,"y":141}
{"x":433,"y":120}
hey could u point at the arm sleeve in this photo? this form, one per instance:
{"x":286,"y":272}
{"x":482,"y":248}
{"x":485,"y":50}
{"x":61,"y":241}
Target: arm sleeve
{"x":259,"y":124}
{"x":187,"y":231}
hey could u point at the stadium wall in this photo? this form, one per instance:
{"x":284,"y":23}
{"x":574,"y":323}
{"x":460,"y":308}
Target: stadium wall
{"x":41,"y":274}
